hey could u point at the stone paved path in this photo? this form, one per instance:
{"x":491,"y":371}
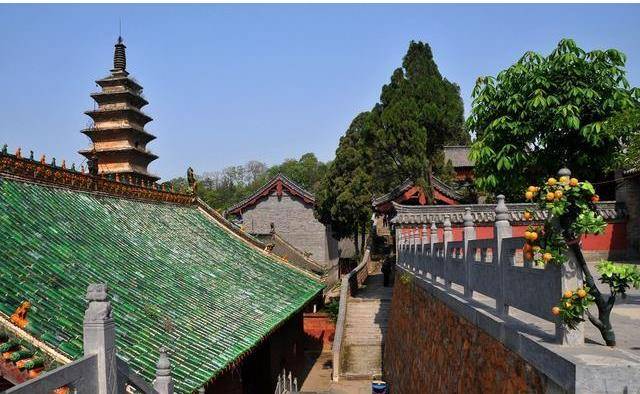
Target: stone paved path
{"x":365,"y":328}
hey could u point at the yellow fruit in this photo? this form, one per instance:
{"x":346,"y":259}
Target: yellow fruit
{"x":551,"y":181}
{"x":531,"y":189}
{"x":527,"y":215}
{"x":564,"y":179}
{"x":568,"y":294}
{"x":558,"y":194}
{"x":551,"y":196}
{"x":528,"y":195}
{"x":573,"y":182}
{"x":567,"y":305}
{"x":527,"y":235}
{"x":555,"y":310}
{"x":582,"y":293}
{"x":533,"y":236}
{"x":547,"y":257}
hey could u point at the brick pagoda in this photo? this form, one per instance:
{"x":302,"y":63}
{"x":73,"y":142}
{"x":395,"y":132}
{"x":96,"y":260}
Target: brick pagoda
{"x":119,"y":141}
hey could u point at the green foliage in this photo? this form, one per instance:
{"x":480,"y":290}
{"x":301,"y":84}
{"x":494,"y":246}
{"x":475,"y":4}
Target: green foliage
{"x":571,"y":213}
{"x":619,"y":277}
{"x":344,"y":197}
{"x":627,"y":122}
{"x":419,"y":112}
{"x":332,"y":309}
{"x":546,"y":112}
{"x":573,"y":305}
{"x":222,"y":189}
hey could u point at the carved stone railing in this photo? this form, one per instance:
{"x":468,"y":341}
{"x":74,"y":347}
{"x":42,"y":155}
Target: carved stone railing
{"x":100,"y":371}
{"x":490,"y":267}
{"x":349,"y":287}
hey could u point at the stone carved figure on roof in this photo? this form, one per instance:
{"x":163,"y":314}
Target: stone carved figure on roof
{"x":191,"y":180}
{"x":92,"y":165}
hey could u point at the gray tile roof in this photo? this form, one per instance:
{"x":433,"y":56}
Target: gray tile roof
{"x":484,"y":213}
{"x":459,"y":155}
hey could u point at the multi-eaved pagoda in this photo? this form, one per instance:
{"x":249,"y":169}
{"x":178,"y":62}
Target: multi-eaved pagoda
{"x":119,"y":140}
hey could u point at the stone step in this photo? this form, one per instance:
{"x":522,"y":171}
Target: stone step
{"x":362,"y":359}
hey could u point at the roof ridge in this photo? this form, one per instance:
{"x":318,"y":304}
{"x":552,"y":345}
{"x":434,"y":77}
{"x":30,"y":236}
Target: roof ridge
{"x":227,"y":225}
{"x":266,"y":188}
{"x":29,"y":170}
{"x":437,"y":183}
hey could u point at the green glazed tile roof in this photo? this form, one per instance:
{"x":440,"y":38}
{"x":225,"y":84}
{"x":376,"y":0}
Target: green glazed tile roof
{"x":176,"y":278}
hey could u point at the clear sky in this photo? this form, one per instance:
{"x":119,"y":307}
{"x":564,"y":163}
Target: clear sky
{"x":232,"y":83}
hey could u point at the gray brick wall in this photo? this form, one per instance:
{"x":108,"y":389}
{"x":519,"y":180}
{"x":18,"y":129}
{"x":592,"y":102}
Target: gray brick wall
{"x":293,"y":221}
{"x":628,"y":191}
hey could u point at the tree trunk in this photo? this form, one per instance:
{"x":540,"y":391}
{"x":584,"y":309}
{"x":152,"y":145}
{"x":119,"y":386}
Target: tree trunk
{"x":355,"y":242}
{"x":603,"y":321}
{"x":363,"y":236}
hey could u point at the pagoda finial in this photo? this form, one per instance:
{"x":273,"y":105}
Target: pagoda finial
{"x":119,"y":56}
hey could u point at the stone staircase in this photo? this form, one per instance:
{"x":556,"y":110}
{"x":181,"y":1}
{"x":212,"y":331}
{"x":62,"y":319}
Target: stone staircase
{"x":365,"y":328}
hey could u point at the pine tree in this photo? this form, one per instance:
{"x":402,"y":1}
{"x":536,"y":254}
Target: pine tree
{"x":419,"y":112}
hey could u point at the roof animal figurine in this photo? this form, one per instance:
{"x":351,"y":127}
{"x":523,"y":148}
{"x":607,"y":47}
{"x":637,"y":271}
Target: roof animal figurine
{"x":92,"y":165}
{"x":191,"y":181}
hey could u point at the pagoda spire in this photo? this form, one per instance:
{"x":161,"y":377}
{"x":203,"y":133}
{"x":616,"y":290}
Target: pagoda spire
{"x":118,"y":136}
{"x":119,"y":56}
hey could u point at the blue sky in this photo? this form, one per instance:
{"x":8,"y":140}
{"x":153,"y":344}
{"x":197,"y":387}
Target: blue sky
{"x":232,"y":83}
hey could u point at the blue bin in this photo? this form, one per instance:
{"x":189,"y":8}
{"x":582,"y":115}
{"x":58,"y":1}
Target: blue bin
{"x":378,"y":387}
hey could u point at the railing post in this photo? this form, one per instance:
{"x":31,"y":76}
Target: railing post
{"x":424,"y":242}
{"x":434,"y":240}
{"x":570,"y":279}
{"x":448,"y":237}
{"x":469,"y":233}
{"x":416,"y":246}
{"x":412,"y":246}
{"x":502,"y":230}
{"x":163,"y":383}
{"x":99,"y":338}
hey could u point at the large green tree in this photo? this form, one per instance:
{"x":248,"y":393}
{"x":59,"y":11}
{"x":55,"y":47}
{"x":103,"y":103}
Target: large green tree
{"x":543,"y":113}
{"x":419,"y":112}
{"x":344,"y":197}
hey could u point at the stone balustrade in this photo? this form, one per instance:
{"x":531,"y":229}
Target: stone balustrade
{"x":491,"y":267}
{"x":100,"y":370}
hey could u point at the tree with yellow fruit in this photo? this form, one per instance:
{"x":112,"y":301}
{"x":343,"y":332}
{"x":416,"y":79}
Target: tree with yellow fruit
{"x":570,"y":208}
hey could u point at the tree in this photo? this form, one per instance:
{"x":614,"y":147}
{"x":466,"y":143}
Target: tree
{"x":306,"y":171}
{"x":571,"y":213}
{"x":547,"y":112}
{"x":419,"y":112}
{"x":343,"y":199}
{"x":221,"y":189}
{"x":627,"y":122}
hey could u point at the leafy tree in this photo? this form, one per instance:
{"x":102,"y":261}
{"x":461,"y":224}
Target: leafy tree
{"x":570,"y":214}
{"x":627,"y":122}
{"x":419,"y":112}
{"x":344,"y":197}
{"x":221,"y":189}
{"x":548,"y":112}
{"x":306,"y":171}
